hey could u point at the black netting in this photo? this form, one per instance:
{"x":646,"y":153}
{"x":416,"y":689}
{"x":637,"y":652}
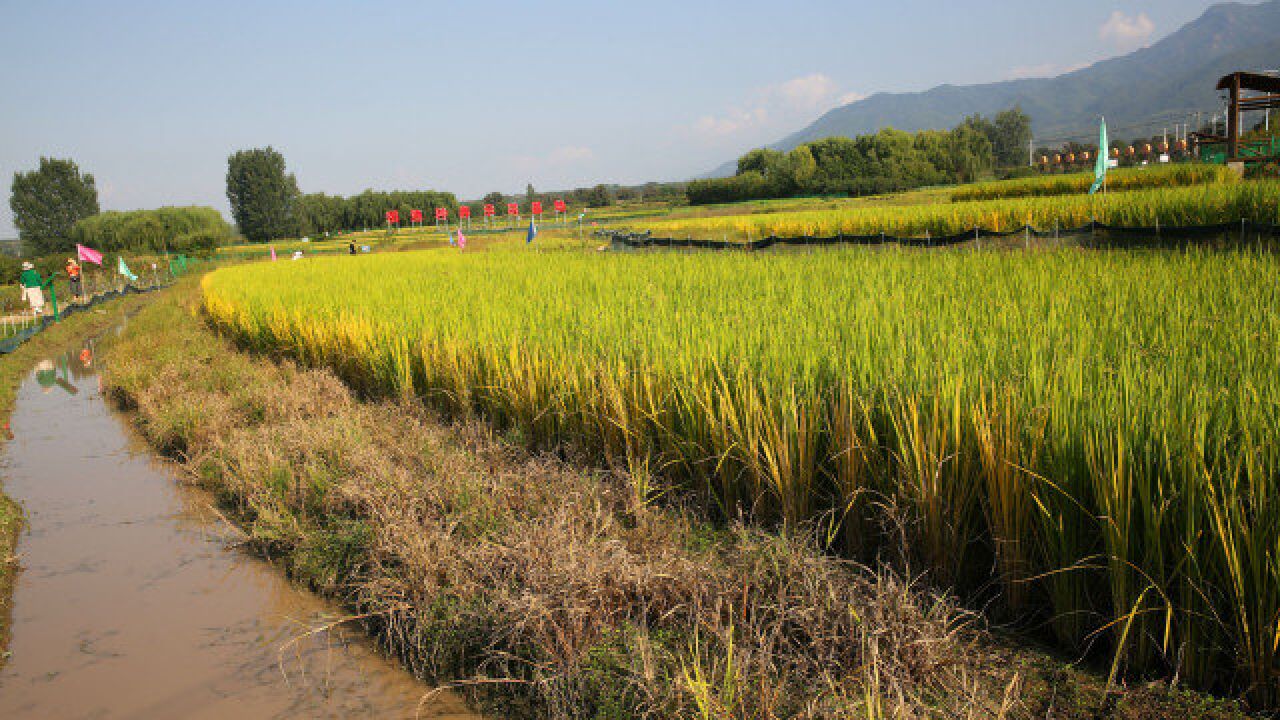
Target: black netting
{"x":1097,"y":234}
{"x":11,"y":343}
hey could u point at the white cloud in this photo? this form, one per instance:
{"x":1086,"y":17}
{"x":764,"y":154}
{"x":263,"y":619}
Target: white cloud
{"x":1127,"y":32}
{"x":554,"y":159}
{"x":1043,"y":70}
{"x":569,"y":154}
{"x":809,"y":91}
{"x":775,"y":106}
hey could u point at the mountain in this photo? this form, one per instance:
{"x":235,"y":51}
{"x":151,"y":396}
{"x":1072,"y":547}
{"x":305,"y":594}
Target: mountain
{"x":1140,"y":93}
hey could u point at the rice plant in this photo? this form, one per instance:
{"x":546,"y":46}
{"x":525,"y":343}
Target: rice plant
{"x":1120,"y":180}
{"x":1195,"y":205}
{"x":1095,"y":432}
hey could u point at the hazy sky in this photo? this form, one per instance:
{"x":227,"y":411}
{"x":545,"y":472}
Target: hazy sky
{"x":151,"y":97}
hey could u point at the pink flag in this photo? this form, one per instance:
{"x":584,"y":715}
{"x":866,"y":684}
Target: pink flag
{"x":88,"y":254}
{"x":273,"y":253}
{"x":462,"y":240}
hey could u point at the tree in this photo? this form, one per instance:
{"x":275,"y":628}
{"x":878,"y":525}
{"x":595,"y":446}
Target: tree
{"x":529,"y":194}
{"x":261,"y":194}
{"x":48,"y":202}
{"x":600,"y":196}
{"x":1012,"y":137}
{"x":766,"y":161}
{"x":494,"y":198}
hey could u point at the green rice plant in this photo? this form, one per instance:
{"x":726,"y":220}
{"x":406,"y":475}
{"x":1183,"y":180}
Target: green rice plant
{"x":1095,"y":432}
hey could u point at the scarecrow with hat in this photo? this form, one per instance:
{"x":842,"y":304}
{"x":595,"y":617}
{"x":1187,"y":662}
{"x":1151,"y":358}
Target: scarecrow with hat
{"x":32,"y":288}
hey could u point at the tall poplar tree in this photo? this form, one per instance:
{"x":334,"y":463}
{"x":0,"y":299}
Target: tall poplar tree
{"x":261,"y":194}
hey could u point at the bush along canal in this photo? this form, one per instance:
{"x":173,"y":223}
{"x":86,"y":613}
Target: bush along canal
{"x":135,"y":600}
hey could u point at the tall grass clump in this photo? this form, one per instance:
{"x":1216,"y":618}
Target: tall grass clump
{"x":1089,"y":439}
{"x":1195,"y":205}
{"x":1119,"y":180}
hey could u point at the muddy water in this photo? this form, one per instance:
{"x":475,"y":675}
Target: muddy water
{"x":133,"y":602}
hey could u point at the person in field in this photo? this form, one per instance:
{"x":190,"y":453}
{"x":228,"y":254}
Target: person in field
{"x":351,"y":247}
{"x":73,"y":276}
{"x":32,"y":288}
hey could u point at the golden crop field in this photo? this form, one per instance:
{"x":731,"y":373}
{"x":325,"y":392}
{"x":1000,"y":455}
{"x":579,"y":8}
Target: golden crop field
{"x":1195,"y":205}
{"x":1118,"y":180}
{"x":1096,"y":432}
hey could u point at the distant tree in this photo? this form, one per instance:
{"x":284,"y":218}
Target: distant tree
{"x":48,"y":202}
{"x":530,"y":194}
{"x":1012,"y":137}
{"x":800,"y":170}
{"x":600,"y":197}
{"x":261,"y":194}
{"x":494,"y":198}
{"x":766,"y":161}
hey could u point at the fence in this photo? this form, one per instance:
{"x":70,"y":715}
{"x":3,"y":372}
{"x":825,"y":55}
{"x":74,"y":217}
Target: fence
{"x":1096,"y":233}
{"x":36,"y":325}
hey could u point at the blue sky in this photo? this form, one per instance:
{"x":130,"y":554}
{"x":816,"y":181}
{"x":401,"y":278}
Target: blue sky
{"x":153,"y":96}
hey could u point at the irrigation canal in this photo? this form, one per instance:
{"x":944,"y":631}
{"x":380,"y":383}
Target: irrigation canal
{"x":133,"y":601}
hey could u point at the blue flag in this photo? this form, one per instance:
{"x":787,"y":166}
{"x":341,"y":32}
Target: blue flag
{"x":533,"y":233}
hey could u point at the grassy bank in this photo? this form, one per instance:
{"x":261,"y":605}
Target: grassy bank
{"x":14,"y":368}
{"x":563,"y":593}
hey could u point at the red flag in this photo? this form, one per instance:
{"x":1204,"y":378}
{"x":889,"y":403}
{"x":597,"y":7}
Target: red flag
{"x":488,"y":210}
{"x":393,"y":217}
{"x":560,"y":206}
{"x":513,"y":208}
{"x":442,"y":213}
{"x":537,"y":208}
{"x":464,"y":211}
{"x":415,"y":216}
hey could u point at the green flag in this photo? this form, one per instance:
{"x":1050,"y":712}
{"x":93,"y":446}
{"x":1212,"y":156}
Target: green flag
{"x":1100,"y":168}
{"x":124,"y":269}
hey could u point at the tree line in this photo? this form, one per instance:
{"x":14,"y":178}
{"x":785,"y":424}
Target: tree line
{"x":266,"y":204}
{"x":318,"y":213}
{"x":189,"y":230}
{"x":595,"y":196}
{"x":886,"y":161}
{"x":55,"y":206}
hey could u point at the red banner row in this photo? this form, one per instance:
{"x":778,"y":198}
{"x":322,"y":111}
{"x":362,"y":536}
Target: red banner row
{"x":464,"y":211}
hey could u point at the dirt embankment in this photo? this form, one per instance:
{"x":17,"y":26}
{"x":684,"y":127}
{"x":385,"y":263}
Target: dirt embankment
{"x":554,"y":591}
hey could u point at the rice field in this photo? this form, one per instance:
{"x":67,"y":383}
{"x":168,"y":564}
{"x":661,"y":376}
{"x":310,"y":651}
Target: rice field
{"x":1095,"y":434}
{"x":1118,"y":180}
{"x":1194,"y":205}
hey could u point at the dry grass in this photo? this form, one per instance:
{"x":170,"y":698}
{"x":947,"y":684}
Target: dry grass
{"x":561,"y":590}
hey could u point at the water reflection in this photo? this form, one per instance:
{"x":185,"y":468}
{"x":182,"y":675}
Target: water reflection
{"x":133,"y":601}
